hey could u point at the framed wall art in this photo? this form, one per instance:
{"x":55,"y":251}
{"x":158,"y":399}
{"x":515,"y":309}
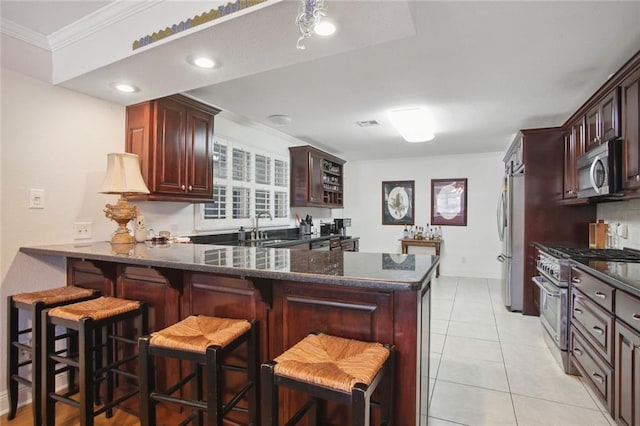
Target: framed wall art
{"x":398,"y":202}
{"x":449,"y":202}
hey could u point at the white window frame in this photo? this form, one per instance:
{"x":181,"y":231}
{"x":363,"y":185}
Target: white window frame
{"x":229,"y":223}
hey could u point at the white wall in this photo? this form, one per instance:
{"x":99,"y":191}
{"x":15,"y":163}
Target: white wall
{"x":467,"y":250}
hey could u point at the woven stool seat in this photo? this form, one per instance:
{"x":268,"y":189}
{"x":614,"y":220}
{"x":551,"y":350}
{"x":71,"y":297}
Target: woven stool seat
{"x":96,"y":309}
{"x":197,"y":333}
{"x":53,"y":296}
{"x":330,"y":361}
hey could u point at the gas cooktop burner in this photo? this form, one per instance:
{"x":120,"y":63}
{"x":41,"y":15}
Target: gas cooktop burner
{"x":611,"y":255}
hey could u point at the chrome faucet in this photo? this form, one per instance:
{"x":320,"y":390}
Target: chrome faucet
{"x":258,"y":216}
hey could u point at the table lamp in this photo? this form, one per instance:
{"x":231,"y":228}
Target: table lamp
{"x":123,"y":177}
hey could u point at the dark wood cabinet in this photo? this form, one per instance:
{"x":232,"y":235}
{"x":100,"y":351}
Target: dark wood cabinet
{"x":173,"y":137}
{"x":630,"y":107}
{"x":573,"y":148}
{"x":592,"y":333}
{"x":317,"y":178}
{"x":627,"y":364}
{"x":627,"y":373}
{"x":602,"y":121}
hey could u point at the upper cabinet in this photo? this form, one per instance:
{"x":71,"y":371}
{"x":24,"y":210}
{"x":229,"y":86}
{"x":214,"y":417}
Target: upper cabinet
{"x":173,"y":137}
{"x":573,"y":148}
{"x":603,"y":120}
{"x":316,"y":178}
{"x":630,"y":103}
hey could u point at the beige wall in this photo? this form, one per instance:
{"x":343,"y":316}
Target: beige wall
{"x":57,"y":140}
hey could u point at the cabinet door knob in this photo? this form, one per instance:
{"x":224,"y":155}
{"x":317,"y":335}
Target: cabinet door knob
{"x":598,"y":329}
{"x":183,"y":187}
{"x":576,"y":280}
{"x":577,"y":351}
{"x":190,"y":188}
{"x":598,"y":377}
{"x":636,"y":317}
{"x":600,"y":294}
{"x":637,"y":178}
{"x":577,"y":311}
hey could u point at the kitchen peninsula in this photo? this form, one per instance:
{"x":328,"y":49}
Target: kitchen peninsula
{"x":367,"y":296}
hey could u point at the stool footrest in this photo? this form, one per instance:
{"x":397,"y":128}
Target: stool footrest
{"x":115,"y":402}
{"x":180,"y":384}
{"x":301,"y":412}
{"x":22,"y":346}
{"x":65,"y":400}
{"x":233,"y":368}
{"x":25,"y":362}
{"x":122,"y":339}
{"x":24,"y":331}
{"x":172,"y":399}
{"x":228,"y":407}
{"x":21,"y":380}
{"x":65,"y":360}
{"x":113,"y":366}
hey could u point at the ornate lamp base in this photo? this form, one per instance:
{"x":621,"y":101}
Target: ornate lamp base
{"x":122,"y":212}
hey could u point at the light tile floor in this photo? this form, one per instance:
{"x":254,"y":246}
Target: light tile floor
{"x":489,"y":366}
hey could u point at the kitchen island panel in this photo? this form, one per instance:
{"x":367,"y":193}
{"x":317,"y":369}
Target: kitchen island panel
{"x":290,"y":293}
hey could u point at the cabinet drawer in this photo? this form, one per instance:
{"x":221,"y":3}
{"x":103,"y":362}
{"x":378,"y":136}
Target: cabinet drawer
{"x":628,"y":310}
{"x":598,"y":291}
{"x":595,"y":323}
{"x":598,"y":374}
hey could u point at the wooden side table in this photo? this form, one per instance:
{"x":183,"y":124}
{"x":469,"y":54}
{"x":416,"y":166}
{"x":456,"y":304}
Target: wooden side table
{"x":423,"y":243}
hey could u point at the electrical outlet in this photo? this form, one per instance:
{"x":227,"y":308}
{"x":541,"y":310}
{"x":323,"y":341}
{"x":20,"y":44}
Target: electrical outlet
{"x":81,"y":230}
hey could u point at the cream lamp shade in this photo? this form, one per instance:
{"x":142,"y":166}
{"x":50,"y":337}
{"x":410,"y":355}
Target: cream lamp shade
{"x":123,"y":175}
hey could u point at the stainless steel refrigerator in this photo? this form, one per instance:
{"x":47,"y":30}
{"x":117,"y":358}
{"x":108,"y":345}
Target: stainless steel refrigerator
{"x":510,"y":219}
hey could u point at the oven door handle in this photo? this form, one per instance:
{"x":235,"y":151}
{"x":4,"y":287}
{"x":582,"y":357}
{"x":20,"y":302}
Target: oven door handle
{"x":540,"y":284}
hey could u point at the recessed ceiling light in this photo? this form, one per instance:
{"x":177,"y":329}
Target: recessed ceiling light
{"x":324,"y":28}
{"x":280,"y":119}
{"x":203,"y":62}
{"x":124,"y":87}
{"x":414,"y":124}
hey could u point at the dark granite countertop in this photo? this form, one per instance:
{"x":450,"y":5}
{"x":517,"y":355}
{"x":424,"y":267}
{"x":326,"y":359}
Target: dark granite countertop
{"x":369,"y":270}
{"x":622,"y":275}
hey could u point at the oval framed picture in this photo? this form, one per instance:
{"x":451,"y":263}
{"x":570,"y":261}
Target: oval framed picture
{"x":398,"y":202}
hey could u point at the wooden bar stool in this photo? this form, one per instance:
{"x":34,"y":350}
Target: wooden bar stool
{"x":330,"y":368}
{"x":97,"y":323}
{"x":33,"y":303}
{"x":205,"y":342}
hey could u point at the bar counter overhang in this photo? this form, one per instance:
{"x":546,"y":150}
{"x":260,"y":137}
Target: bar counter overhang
{"x":368,"y":296}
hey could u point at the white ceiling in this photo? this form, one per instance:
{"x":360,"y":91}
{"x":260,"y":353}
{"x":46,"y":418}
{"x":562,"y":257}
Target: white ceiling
{"x":484,"y":69}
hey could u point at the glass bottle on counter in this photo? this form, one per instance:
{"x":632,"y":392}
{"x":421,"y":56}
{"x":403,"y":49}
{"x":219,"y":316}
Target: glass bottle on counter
{"x":405,"y":234}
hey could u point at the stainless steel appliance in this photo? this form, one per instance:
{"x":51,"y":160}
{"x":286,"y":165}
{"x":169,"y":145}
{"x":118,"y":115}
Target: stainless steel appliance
{"x":553,"y":277}
{"x":341,"y":225}
{"x":600,"y":170}
{"x":510,"y":220}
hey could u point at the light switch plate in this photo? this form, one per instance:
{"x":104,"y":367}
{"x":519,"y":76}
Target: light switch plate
{"x":36,"y":198}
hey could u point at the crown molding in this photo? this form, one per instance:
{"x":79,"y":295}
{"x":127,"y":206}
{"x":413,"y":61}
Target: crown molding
{"x":98,"y":20}
{"x":84,"y":27}
{"x":25,"y":34}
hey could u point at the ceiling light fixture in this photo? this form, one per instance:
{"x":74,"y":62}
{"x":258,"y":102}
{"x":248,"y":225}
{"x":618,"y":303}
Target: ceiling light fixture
{"x":414,"y":124}
{"x":324,"y":28}
{"x":124,"y":87}
{"x":310,"y":14}
{"x":203,"y":62}
{"x":280,"y":119}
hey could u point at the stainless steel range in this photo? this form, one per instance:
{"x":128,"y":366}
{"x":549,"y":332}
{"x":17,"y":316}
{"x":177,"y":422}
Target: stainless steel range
{"x":553,"y":277}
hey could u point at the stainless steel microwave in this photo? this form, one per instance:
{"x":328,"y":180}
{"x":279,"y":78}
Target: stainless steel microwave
{"x":600,"y":170}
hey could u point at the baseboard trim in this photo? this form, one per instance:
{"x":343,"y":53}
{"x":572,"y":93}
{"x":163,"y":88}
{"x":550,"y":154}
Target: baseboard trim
{"x":24,"y":394}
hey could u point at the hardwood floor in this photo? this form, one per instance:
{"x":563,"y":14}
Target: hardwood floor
{"x":68,"y":416}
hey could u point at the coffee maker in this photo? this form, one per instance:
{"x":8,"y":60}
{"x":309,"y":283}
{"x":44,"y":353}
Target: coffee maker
{"x":341,"y":225}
